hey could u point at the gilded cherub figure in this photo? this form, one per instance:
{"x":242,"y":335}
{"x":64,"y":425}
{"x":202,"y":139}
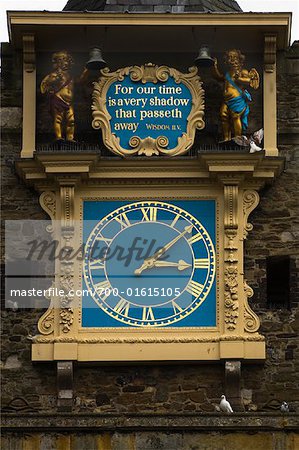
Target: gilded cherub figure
{"x":235,"y":109}
{"x":59,"y":86}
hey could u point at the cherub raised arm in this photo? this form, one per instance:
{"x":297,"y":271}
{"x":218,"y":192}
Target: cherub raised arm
{"x":235,"y":109}
{"x":58,"y":85}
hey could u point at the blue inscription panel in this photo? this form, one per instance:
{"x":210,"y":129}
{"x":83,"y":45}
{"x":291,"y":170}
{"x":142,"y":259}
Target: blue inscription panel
{"x":148,"y":110}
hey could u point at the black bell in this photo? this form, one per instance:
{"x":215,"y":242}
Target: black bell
{"x":204,"y":58}
{"x":96,"y":61}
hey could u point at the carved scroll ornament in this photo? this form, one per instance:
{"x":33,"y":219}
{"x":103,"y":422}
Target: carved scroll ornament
{"x":250,"y":201}
{"x":252,"y":322}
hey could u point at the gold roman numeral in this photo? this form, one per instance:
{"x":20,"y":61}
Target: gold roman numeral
{"x":201,"y":263}
{"x":175,"y":220}
{"x":147,"y":313}
{"x":100,"y":237}
{"x":100,"y":289}
{"x":123,"y":220}
{"x":122,"y":307}
{"x":194,"y":288}
{"x":177,"y":309}
{"x":195,"y":238}
{"x":149,"y":214}
{"x":96,"y":264}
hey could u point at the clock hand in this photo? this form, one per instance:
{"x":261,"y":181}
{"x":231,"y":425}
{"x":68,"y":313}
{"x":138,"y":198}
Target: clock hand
{"x":181,"y":265}
{"x":148,"y":263}
{"x":166,"y":247}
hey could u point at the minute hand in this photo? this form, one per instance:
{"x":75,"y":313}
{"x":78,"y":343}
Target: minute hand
{"x":166,"y":247}
{"x":149,"y":263}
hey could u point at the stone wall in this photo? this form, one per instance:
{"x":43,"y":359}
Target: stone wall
{"x":191,"y":432}
{"x":167,"y":389}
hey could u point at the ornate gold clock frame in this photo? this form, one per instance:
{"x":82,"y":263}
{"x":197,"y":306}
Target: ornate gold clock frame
{"x":232,"y":181}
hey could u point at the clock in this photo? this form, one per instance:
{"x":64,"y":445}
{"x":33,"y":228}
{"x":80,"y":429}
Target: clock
{"x":149,"y":264}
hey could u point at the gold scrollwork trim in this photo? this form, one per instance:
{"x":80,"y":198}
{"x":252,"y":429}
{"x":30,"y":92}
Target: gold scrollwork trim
{"x":231,"y":303}
{"x":47,"y":201}
{"x":149,"y":146}
{"x":143,"y":340}
{"x":250,"y":201}
{"x":46,"y":322}
{"x":148,"y":73}
{"x":252,"y":322}
{"x":66,"y":319}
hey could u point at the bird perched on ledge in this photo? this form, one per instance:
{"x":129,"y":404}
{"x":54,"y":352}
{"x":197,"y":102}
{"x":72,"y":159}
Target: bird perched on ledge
{"x":85,"y":5}
{"x":252,"y":141}
{"x":284,"y":407}
{"x":225,"y":405}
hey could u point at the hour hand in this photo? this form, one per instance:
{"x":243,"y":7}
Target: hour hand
{"x":180,"y":265}
{"x":151,"y":262}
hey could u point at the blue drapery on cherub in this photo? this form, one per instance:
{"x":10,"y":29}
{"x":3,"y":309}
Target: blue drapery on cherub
{"x":239,"y":104}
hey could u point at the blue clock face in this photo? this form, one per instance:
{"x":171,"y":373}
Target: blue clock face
{"x":149,"y":264}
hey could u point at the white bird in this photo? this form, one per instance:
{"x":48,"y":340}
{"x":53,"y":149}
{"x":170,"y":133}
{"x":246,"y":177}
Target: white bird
{"x":225,"y":405}
{"x":252,"y":141}
{"x":284,"y":407}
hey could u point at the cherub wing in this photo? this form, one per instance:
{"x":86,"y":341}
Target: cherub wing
{"x":254,"y":78}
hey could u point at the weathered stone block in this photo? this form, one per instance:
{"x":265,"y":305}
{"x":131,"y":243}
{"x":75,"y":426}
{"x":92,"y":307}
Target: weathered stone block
{"x":158,"y":441}
{"x":11,"y":118}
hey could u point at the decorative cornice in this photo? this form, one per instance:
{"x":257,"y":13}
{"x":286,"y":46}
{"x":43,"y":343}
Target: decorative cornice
{"x":47,"y":170}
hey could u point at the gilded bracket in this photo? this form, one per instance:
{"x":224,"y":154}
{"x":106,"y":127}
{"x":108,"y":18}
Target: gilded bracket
{"x":47,"y":201}
{"x":252,"y":322}
{"x":250,"y":201}
{"x":28,"y":53}
{"x":270,"y":53}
